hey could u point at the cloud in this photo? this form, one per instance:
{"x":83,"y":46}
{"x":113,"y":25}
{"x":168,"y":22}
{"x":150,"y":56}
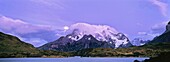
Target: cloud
{"x":159,"y":28}
{"x":18,"y":26}
{"x":30,"y":33}
{"x":139,"y":24}
{"x":91,"y":28}
{"x":50,"y":3}
{"x":148,"y":34}
{"x":162,"y":6}
{"x":142,"y":33}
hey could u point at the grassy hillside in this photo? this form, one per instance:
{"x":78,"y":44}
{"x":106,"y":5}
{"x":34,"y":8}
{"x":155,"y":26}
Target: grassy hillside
{"x":11,"y":46}
{"x":10,"y":43}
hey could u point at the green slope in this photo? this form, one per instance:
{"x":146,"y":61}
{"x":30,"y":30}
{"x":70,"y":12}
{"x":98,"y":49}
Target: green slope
{"x":10,"y":43}
{"x":11,"y":46}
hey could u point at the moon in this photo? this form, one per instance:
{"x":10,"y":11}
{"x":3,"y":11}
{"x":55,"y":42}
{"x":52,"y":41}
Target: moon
{"x":66,"y":27}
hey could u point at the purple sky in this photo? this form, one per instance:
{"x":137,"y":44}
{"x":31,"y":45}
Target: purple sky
{"x":33,"y":20}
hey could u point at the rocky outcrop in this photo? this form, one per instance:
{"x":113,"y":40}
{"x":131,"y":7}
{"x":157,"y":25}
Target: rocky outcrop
{"x":167,"y":27}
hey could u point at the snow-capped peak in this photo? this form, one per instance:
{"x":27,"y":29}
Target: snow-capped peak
{"x":139,"y":42}
{"x":100,"y":32}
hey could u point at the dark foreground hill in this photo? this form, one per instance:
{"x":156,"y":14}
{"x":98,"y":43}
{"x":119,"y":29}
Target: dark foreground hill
{"x":10,"y":43}
{"x":163,"y":57}
{"x":11,"y":46}
{"x":165,"y":37}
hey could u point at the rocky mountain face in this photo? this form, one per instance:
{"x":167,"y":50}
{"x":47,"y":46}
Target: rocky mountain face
{"x":165,"y":37}
{"x":88,"y":41}
{"x":84,"y":36}
{"x":167,"y":27}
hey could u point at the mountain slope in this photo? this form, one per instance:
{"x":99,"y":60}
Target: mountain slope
{"x":88,"y":41}
{"x":165,"y":37}
{"x":11,"y":46}
{"x":10,"y":43}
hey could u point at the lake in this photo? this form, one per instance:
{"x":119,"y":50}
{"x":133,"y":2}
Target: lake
{"x":70,"y":59}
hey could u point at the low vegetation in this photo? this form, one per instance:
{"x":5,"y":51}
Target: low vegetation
{"x":149,"y":50}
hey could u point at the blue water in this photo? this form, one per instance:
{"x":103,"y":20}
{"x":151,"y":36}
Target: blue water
{"x":71,"y":59}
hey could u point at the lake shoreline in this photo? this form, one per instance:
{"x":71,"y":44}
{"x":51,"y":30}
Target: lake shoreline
{"x":74,"y":59}
{"x":79,"y":57}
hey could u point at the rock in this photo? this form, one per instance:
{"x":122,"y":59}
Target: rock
{"x":136,"y":61}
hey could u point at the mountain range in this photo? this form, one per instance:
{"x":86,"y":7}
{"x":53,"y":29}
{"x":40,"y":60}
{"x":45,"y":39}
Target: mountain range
{"x":83,"y":36}
{"x":110,"y":43}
